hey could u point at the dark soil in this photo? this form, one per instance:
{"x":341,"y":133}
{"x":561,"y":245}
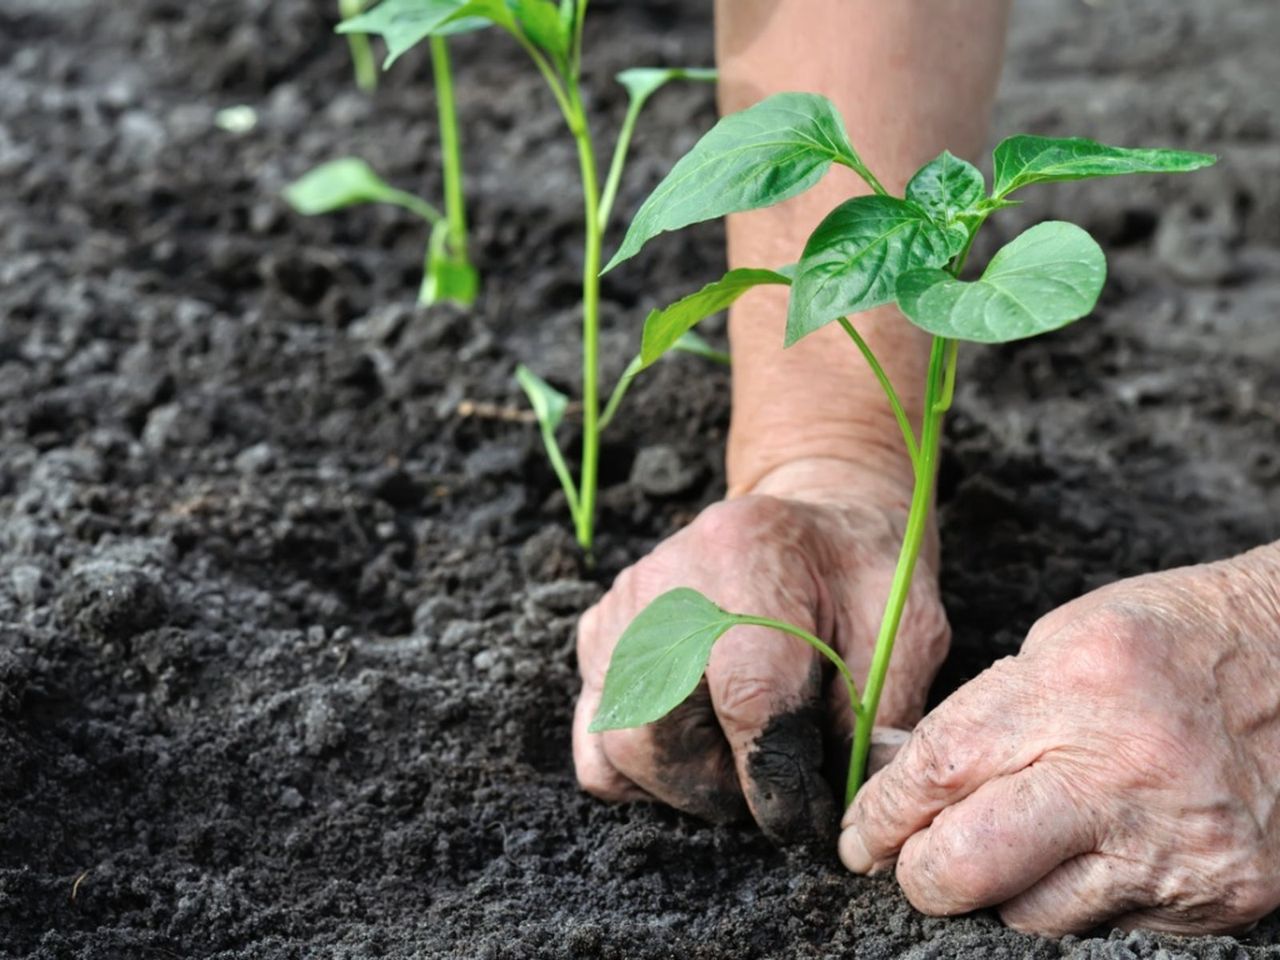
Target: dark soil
{"x":286,"y":635}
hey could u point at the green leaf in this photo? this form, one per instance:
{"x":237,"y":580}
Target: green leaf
{"x":659,"y":659}
{"x":540,"y":20}
{"x":348,"y":182}
{"x":1041,"y":280}
{"x":766,"y":154}
{"x":1024,"y":160}
{"x":446,"y":279}
{"x":548,"y":403}
{"x":403,"y":24}
{"x":664,"y":328}
{"x":853,"y":260}
{"x":643,"y":82}
{"x":947,"y":187}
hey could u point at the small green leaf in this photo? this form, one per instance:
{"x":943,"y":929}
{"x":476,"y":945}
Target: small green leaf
{"x":1041,"y":280}
{"x":766,"y":154}
{"x":659,"y":659}
{"x":403,"y":24}
{"x":853,"y":260}
{"x":540,"y":20}
{"x":548,"y":403}
{"x":664,"y":328}
{"x":947,"y":187}
{"x":1024,"y":160}
{"x":643,"y":82}
{"x":346,"y":183}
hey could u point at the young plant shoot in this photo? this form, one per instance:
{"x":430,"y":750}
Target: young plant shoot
{"x":551,"y":34}
{"x":366,"y":71}
{"x":447,"y":272}
{"x":869,"y":251}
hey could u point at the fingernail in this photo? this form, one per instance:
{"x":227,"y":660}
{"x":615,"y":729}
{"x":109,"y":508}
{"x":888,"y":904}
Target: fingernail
{"x":853,"y":852}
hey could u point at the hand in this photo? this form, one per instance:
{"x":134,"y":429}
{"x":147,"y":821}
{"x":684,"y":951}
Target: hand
{"x":1124,"y":768}
{"x":815,"y":545}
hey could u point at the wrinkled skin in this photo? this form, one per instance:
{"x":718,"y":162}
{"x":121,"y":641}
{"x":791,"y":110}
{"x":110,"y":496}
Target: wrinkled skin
{"x":750,"y":740}
{"x":1123,"y":768}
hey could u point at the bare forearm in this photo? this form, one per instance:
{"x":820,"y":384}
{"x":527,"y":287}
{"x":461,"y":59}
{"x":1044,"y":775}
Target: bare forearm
{"x":910,"y":79}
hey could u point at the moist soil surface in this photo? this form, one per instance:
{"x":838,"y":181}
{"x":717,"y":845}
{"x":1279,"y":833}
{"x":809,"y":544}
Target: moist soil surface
{"x":286,"y":595}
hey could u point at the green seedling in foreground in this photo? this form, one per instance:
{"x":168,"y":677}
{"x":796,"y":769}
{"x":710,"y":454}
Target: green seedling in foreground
{"x":551,"y":34}
{"x":447,"y":272}
{"x":869,"y":251}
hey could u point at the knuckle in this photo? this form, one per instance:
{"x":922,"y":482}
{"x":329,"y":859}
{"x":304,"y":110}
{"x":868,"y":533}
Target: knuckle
{"x":942,"y":879}
{"x":1104,"y":654}
{"x":745,"y":698}
{"x":934,"y":759}
{"x":735,"y":526}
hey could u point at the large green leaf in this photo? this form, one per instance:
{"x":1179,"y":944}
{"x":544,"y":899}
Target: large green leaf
{"x":853,"y":260}
{"x":659,"y":659}
{"x":1041,"y":280}
{"x":761,"y":156}
{"x":664,"y":328}
{"x":403,"y":24}
{"x":947,"y":187}
{"x":346,"y":183}
{"x":1024,"y":160}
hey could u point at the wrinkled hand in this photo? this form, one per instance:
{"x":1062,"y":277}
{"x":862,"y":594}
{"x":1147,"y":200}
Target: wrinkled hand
{"x":1123,"y":768}
{"x":750,"y":739}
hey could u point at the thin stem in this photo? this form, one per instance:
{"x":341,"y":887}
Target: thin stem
{"x":362,"y":62}
{"x":861,"y":169}
{"x":450,"y":150}
{"x":900,"y":414}
{"x":619,"y":391}
{"x":591,"y":262}
{"x":949,"y":381}
{"x":619,"y":159}
{"x":820,"y":646}
{"x":900,"y":588}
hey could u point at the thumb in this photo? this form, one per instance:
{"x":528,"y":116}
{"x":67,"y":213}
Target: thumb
{"x":766,"y":688}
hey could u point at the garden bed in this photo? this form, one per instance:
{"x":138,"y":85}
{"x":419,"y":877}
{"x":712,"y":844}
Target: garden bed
{"x":287,"y":592}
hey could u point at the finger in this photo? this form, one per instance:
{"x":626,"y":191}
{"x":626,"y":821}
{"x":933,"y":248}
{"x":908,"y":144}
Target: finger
{"x":886,"y":743}
{"x":980,"y":732}
{"x":766,"y":688}
{"x":1078,"y":896}
{"x":595,"y":773}
{"x":682,"y":759}
{"x":1000,"y":841}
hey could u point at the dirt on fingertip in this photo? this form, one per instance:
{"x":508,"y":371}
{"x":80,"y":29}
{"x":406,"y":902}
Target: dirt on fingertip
{"x":287,"y":597}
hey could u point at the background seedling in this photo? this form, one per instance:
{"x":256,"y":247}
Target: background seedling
{"x":869,"y":251}
{"x":552,"y":35}
{"x":366,"y":71}
{"x":447,"y":272}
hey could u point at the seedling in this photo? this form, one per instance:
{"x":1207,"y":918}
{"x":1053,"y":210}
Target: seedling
{"x":447,"y":272}
{"x":551,"y":34}
{"x":869,"y":251}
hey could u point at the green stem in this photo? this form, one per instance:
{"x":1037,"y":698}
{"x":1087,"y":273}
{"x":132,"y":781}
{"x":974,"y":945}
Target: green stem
{"x":619,"y":391}
{"x":900,"y":588}
{"x":455,"y":208}
{"x":850,"y":684}
{"x":366,"y":70}
{"x":619,"y":159}
{"x":900,"y":414}
{"x":584,"y":519}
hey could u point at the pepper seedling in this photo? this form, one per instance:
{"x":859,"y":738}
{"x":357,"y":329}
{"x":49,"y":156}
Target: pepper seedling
{"x":869,"y":251}
{"x":551,"y":34}
{"x":447,"y":272}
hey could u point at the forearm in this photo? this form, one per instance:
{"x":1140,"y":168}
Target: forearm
{"x":910,"y":79}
